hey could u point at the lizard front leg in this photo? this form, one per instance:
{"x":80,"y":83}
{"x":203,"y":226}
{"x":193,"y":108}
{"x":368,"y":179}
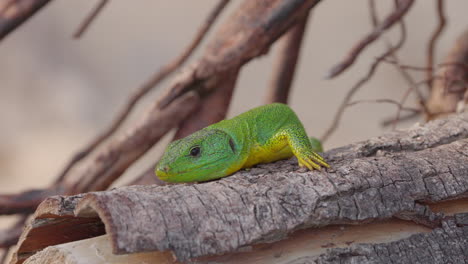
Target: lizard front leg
{"x":302,"y":148}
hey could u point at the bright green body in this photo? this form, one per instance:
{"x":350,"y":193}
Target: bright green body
{"x":264,"y":134}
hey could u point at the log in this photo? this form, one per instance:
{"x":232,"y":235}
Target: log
{"x":446,"y":243}
{"x":396,"y":175}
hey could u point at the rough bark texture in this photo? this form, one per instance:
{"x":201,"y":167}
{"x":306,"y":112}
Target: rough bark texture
{"x":390,"y":176}
{"x":448,"y":244}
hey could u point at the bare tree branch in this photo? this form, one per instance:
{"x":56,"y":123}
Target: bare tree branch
{"x":394,"y":17}
{"x":433,"y":40}
{"x":283,"y":74}
{"x":89,"y":19}
{"x":213,"y":107}
{"x":337,"y":118}
{"x":448,"y":92}
{"x":15,"y":12}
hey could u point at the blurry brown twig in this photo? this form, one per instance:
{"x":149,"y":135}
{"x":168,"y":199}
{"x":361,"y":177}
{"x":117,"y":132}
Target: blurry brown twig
{"x":448,"y":94}
{"x":89,"y":19}
{"x":388,"y":101}
{"x":285,"y":68}
{"x":433,"y":40}
{"x":15,"y":12}
{"x":344,"y":103}
{"x":394,"y":17}
{"x":27,"y":201}
{"x":213,"y":107}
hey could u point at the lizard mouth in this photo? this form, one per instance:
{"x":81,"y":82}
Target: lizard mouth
{"x":181,"y":176}
{"x":163,"y":175}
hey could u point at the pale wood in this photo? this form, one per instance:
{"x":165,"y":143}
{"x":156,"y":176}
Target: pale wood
{"x":96,"y":250}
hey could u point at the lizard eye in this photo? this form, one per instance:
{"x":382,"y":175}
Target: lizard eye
{"x":195,"y":151}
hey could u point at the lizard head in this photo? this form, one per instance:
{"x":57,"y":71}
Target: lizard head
{"x":202,"y":156}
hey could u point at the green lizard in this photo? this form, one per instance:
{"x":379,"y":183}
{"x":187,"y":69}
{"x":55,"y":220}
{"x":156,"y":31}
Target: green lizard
{"x":264,"y":134}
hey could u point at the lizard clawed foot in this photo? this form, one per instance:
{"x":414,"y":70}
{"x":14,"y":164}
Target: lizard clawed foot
{"x":312,"y":161}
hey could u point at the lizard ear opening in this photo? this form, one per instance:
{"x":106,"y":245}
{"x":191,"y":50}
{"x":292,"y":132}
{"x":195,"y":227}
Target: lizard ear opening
{"x":232,"y":145}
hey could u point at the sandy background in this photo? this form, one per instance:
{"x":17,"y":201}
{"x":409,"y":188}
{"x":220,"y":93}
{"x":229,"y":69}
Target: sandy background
{"x":56,"y":93}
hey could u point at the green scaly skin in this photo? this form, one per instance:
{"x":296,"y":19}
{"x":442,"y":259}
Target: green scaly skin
{"x":264,"y":134}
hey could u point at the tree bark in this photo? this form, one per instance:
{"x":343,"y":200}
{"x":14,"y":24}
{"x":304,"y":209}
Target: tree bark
{"x":395,"y":175}
{"x":448,"y":244}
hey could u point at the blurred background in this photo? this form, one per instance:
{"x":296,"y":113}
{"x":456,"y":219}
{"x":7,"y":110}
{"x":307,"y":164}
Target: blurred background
{"x":57,"y":93}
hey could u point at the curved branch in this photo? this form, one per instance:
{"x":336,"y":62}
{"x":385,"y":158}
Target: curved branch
{"x":432,"y":42}
{"x":15,"y":12}
{"x":393,"y":18}
{"x":285,"y":68}
{"x":90,"y":18}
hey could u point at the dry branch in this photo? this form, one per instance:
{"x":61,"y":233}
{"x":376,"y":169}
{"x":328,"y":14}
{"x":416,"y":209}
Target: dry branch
{"x":451,"y":90}
{"x":349,"y":95}
{"x":401,"y":10}
{"x":14,"y":12}
{"x":432,"y":42}
{"x":90,"y":18}
{"x":213,"y":107}
{"x":285,"y":68}
{"x":389,"y":176}
{"x":251,"y":29}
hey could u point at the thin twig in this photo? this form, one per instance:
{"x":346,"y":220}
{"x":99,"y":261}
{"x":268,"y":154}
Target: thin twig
{"x":433,"y":40}
{"x":394,"y":17}
{"x":388,"y":101}
{"x":337,"y":118}
{"x":373,"y":13}
{"x":408,"y":78}
{"x":20,"y":13}
{"x":283,"y":74}
{"x":90,"y":18}
{"x":27,"y":201}
{"x":146,"y":87}
{"x":413,"y":86}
